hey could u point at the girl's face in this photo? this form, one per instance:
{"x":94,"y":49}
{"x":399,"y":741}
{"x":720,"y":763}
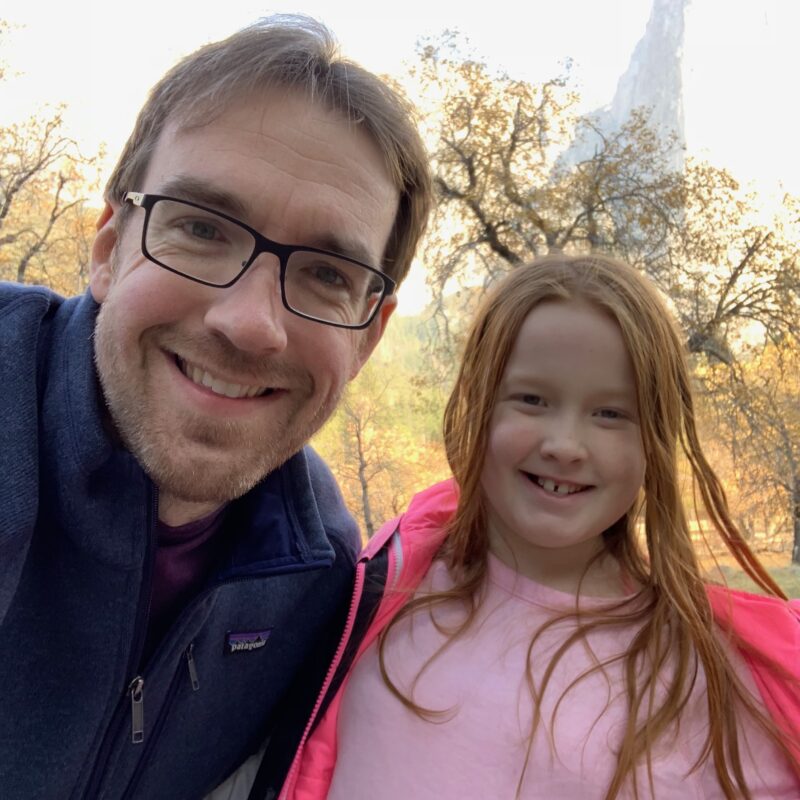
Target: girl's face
{"x":564,"y":459}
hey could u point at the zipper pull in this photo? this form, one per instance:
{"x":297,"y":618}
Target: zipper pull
{"x":136,"y":690}
{"x":192,"y":668}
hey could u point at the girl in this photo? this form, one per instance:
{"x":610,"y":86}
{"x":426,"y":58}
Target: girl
{"x":545,"y":630}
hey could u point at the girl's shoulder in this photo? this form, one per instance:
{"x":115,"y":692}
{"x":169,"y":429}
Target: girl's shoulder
{"x":766,"y":631}
{"x":416,"y":535}
{"x":768,"y":624}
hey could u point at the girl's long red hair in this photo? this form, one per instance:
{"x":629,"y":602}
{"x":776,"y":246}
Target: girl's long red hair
{"x":675,"y":624}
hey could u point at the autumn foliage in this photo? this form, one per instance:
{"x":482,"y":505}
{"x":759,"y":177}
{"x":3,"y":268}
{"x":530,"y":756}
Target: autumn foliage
{"x":519,"y":173}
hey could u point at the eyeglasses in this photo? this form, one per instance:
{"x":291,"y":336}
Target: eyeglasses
{"x":216,"y":250}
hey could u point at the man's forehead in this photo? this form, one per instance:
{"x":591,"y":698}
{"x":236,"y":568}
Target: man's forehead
{"x":269,"y":163}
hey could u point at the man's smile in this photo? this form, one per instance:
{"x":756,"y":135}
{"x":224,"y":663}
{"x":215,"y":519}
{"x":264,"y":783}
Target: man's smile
{"x":203,"y":377}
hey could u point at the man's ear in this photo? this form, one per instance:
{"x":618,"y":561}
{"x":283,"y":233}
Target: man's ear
{"x":372,"y":335}
{"x":100,"y":272}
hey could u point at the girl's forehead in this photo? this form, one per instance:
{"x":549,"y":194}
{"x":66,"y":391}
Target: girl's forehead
{"x":572,"y":323}
{"x":571,"y":339}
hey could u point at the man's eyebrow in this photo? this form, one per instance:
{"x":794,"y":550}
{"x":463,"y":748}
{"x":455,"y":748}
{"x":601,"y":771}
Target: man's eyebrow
{"x":350,"y":248}
{"x":185,"y":187}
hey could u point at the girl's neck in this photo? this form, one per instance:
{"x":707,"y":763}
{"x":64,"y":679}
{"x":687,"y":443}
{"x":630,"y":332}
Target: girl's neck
{"x":565,"y":569}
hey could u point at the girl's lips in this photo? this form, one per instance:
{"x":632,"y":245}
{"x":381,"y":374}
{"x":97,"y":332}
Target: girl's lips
{"x":557,"y":487}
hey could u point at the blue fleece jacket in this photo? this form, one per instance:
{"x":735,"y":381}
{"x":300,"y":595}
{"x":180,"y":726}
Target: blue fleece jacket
{"x":80,"y":717}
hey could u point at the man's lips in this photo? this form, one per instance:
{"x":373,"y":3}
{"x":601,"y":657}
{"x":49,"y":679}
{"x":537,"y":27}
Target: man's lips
{"x":225,"y":388}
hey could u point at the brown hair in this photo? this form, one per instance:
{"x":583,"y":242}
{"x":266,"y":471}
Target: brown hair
{"x":295,"y":53}
{"x":677,"y":623}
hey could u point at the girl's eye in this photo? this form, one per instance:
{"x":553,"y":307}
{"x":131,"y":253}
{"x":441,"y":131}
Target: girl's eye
{"x":532,"y":399}
{"x":610,"y":413}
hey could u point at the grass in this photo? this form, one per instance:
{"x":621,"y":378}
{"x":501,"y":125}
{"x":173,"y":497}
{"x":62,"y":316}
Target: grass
{"x":788,"y":578}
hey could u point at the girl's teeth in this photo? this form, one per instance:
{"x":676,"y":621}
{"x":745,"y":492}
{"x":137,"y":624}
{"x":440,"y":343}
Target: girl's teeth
{"x":551,"y":486}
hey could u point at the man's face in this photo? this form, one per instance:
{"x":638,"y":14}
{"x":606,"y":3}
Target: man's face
{"x":171,"y":352}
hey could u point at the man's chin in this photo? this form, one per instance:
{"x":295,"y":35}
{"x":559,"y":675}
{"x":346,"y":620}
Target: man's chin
{"x":210,"y":489}
{"x":208,"y":479}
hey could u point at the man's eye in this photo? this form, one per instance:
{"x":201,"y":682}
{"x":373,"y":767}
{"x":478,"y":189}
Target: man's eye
{"x":328,"y":275}
{"x":202,"y":230}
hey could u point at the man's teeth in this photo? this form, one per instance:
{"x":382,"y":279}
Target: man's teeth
{"x":557,"y":488}
{"x":203,"y":378}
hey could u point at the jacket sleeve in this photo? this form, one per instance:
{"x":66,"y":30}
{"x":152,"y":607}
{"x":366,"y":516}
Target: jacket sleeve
{"x":21,"y":313}
{"x":768,"y":633}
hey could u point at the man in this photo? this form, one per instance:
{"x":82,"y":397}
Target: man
{"x":173,"y":563}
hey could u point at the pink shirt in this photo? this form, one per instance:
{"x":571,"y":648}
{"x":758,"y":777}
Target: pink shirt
{"x":477,"y":749}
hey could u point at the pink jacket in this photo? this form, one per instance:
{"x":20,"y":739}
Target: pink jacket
{"x":765,"y":625}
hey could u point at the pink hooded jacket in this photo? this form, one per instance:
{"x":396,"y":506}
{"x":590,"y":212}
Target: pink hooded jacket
{"x":762,"y":624}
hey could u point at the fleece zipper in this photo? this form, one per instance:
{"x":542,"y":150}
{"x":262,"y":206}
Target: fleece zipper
{"x":139,"y":634}
{"x":358,"y":589}
{"x":395,"y":562}
{"x":186,"y":666}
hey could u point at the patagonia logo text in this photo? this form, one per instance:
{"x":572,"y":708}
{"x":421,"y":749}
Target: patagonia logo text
{"x":245,"y":642}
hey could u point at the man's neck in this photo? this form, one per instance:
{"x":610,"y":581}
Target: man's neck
{"x":175,"y":511}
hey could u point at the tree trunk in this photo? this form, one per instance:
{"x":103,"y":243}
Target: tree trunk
{"x":369,"y":528}
{"x":796,"y":519}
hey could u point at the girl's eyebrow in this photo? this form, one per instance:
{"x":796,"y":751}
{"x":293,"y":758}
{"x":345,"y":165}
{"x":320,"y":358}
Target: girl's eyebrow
{"x":624,"y":395}
{"x":616,"y":394}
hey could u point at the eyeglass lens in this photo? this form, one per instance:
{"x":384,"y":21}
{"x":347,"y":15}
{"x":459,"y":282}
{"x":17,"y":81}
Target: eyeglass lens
{"x":202,"y":245}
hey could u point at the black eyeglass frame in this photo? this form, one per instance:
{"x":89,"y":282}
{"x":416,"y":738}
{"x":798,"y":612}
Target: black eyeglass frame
{"x":146,"y":201}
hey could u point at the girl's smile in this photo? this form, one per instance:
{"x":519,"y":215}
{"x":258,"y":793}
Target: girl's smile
{"x":557,"y":486}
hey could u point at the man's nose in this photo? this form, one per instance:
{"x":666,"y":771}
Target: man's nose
{"x":250,"y":314}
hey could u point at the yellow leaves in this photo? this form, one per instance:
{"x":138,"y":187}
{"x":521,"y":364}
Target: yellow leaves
{"x":44,"y":226}
{"x":383,"y":444}
{"x":751,"y":422}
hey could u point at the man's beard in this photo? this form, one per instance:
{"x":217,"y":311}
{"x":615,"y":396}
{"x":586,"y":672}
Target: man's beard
{"x":200,"y":460}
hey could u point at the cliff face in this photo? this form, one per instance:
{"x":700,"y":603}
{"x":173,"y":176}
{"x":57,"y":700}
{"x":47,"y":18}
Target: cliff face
{"x":653,"y":79}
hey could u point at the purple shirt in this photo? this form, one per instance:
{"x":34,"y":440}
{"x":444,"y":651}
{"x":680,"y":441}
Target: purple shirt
{"x":185,"y":556}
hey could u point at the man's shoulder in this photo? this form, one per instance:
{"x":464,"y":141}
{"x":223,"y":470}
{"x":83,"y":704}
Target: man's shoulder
{"x":32,"y":318}
{"x":20,"y":301}
{"x":25,"y":314}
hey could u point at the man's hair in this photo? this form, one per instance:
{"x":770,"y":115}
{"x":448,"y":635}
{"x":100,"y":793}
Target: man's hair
{"x":299,"y":54}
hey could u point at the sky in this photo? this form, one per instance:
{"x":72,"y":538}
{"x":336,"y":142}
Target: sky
{"x":740,"y":60}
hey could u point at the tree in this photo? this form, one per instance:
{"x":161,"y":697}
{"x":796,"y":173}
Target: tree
{"x":508,"y":194}
{"x":510,"y":191}
{"x":44,"y":223}
{"x":732,"y":277}
{"x":757,"y":415}
{"x":517,"y":179}
{"x":383,"y":443}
